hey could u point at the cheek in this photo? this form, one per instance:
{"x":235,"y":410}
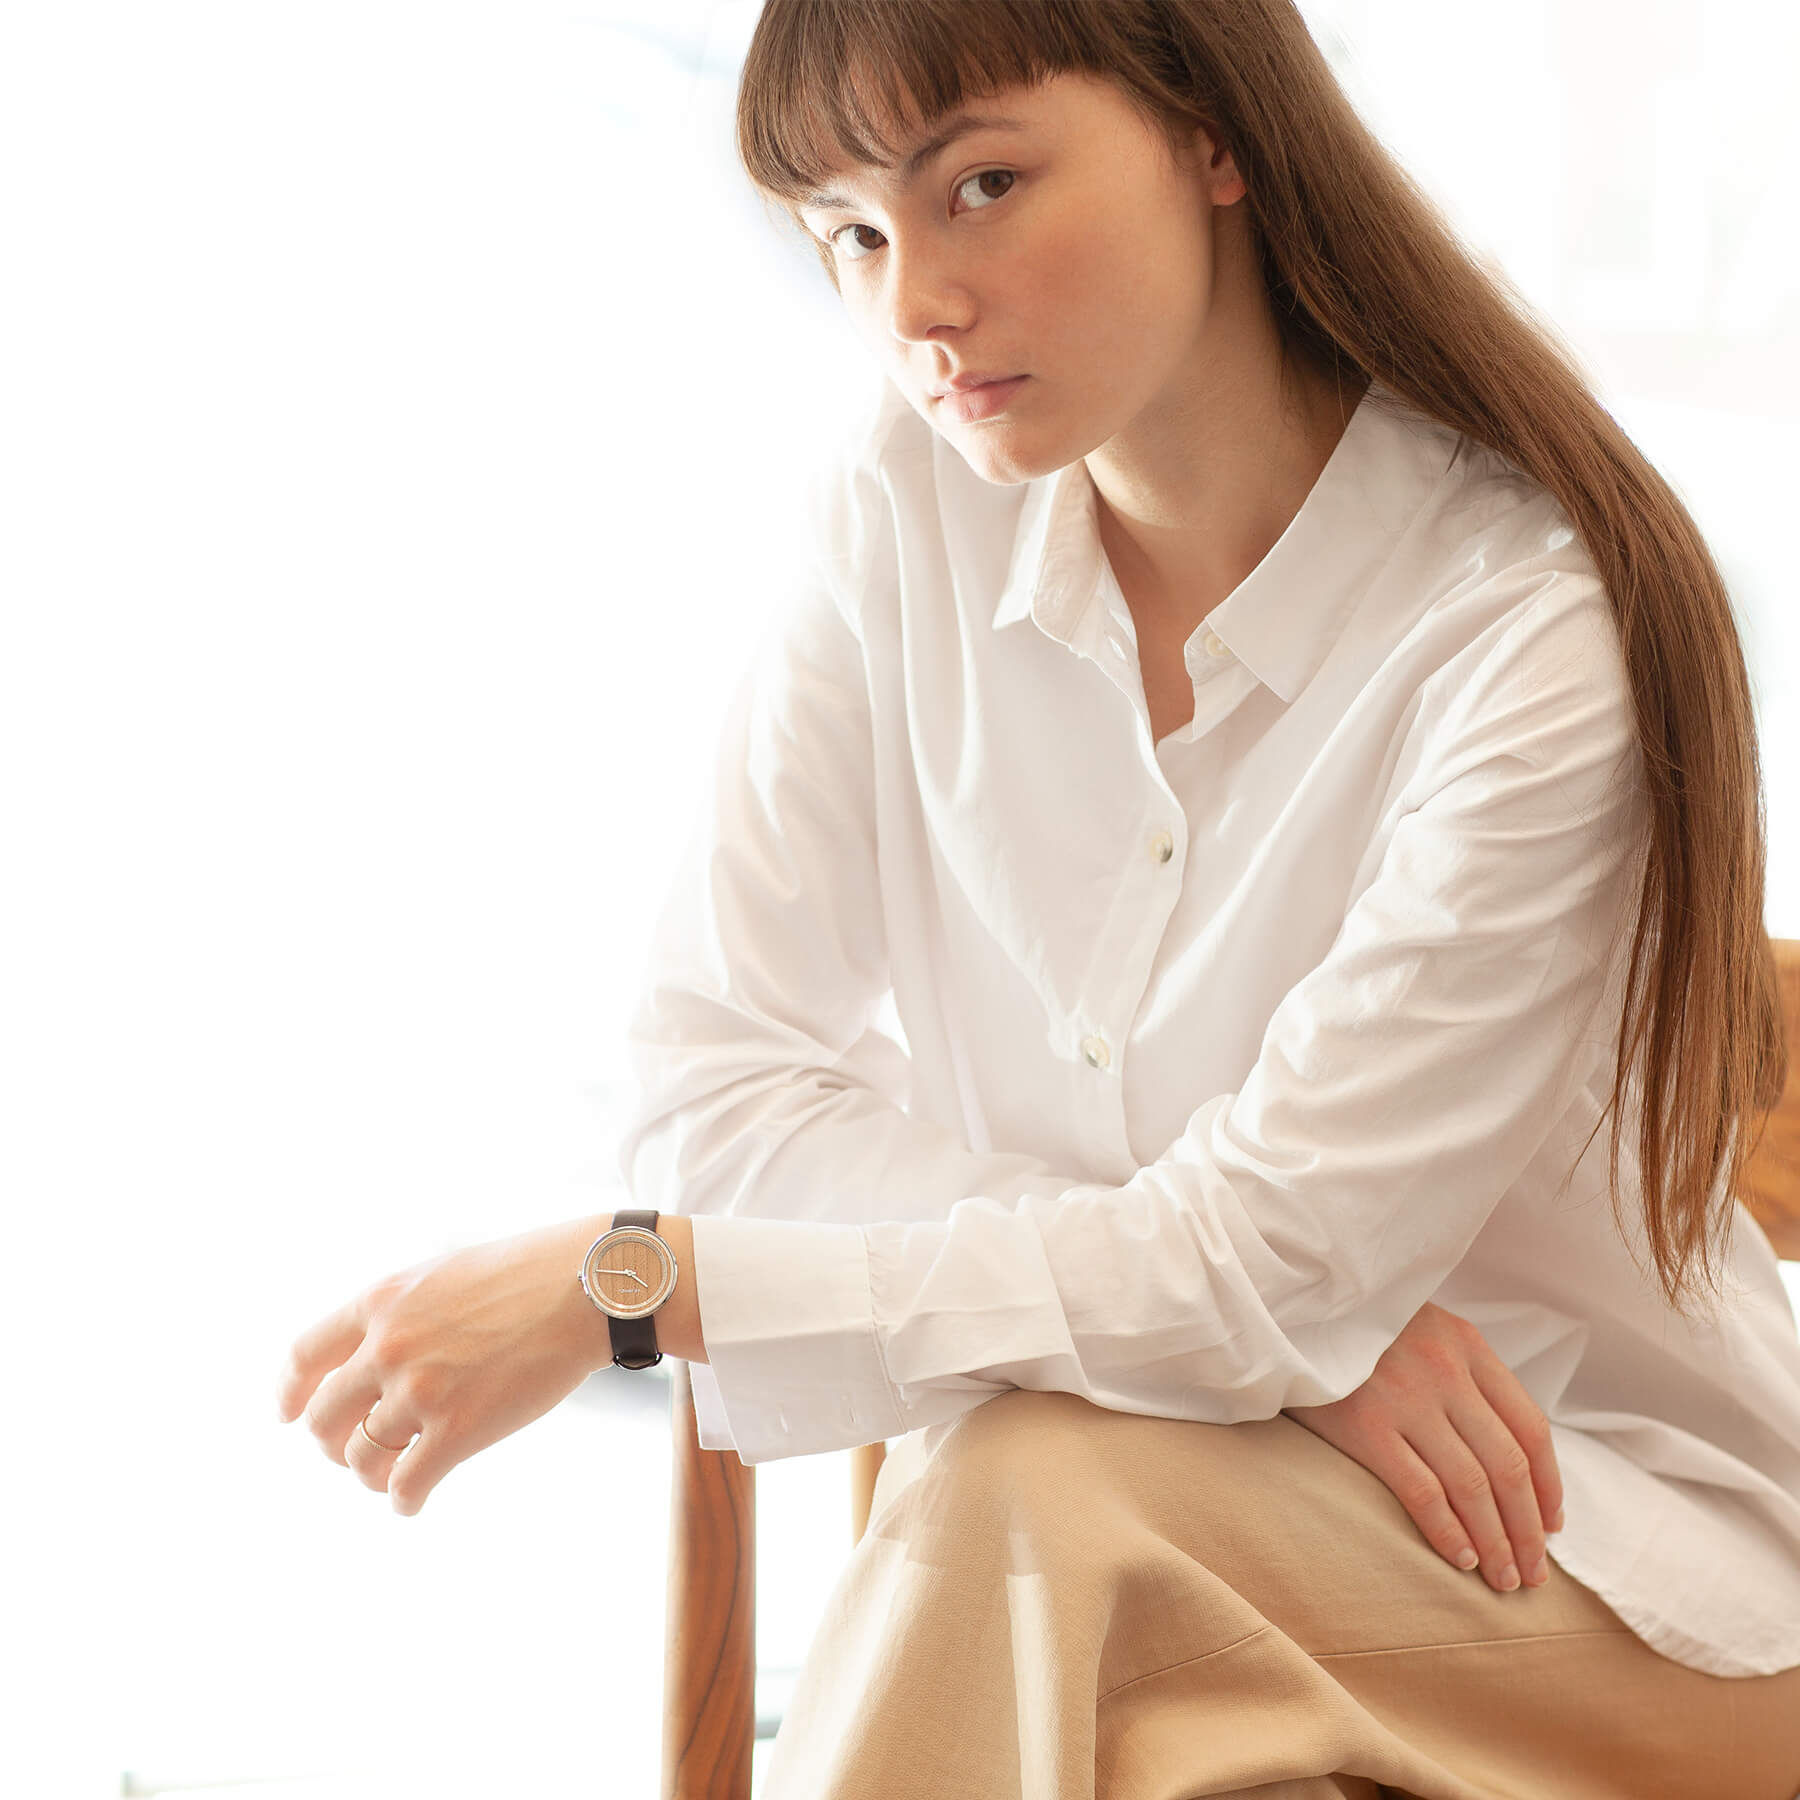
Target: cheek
{"x":870,"y":332}
{"x":1107,"y":299}
{"x":1164,"y":306}
{"x":1123,"y":274}
{"x":1075,"y":274}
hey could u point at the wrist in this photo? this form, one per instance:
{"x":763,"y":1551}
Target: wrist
{"x":678,"y":1324}
{"x":589,"y":1326}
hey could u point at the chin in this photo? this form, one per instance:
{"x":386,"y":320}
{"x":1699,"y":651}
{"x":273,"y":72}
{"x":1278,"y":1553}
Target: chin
{"x":999,"y":460}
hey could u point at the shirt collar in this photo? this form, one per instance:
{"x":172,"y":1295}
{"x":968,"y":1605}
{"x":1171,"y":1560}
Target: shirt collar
{"x":1284,"y":616}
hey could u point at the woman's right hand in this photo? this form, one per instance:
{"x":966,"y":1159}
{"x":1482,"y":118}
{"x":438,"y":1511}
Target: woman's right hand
{"x":1464,"y":1448}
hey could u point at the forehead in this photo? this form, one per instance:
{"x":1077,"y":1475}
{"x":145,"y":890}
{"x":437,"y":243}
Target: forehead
{"x":872,"y":120}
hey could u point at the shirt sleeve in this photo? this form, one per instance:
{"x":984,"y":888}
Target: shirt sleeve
{"x":768,"y":1104}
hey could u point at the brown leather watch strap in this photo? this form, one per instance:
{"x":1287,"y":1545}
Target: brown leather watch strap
{"x":634,"y":1340}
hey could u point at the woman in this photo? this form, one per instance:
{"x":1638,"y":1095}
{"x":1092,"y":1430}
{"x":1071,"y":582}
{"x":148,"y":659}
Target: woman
{"x":1291,"y":760}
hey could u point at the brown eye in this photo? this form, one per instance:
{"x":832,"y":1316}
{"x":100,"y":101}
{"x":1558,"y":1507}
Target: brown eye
{"x":1005,"y":175}
{"x":836,"y":240}
{"x":839,"y":238}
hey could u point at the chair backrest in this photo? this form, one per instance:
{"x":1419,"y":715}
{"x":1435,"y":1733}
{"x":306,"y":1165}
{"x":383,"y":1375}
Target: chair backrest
{"x":709,"y":1697}
{"x":1772,"y":1186}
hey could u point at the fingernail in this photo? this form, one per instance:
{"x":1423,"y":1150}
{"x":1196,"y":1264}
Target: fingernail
{"x":1556,"y":1524}
{"x":1509,"y":1577}
{"x":1466,"y":1558}
{"x":1540,"y":1572}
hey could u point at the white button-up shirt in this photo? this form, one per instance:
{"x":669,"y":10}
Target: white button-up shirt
{"x":993,"y":1044}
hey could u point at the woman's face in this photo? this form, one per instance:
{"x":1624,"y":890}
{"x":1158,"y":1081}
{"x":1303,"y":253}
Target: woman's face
{"x":1059,"y":242}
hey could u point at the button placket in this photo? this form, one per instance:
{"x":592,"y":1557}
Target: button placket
{"x":1095,"y":1049}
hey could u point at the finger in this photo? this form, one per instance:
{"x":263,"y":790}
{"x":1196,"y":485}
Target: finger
{"x":376,"y":1443}
{"x":1524,"y":1418}
{"x":316,"y":1350}
{"x":1508,"y":1467}
{"x":338,"y":1405}
{"x":421,"y":1466}
{"x":1469,"y":1489}
{"x":1416,"y":1485}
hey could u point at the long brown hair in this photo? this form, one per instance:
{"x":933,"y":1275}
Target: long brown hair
{"x":1366,"y":278}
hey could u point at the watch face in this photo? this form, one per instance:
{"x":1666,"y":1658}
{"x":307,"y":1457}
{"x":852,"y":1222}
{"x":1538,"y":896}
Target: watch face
{"x":629,"y":1272}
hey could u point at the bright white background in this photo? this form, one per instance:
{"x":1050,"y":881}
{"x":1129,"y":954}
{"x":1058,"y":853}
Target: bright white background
{"x":399,"y":411}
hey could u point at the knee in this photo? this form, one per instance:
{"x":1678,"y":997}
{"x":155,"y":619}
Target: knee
{"x":1025,"y":1458}
{"x":1019,"y":1452}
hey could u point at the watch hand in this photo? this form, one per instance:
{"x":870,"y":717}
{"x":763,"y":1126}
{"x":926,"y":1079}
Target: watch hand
{"x":635,"y":1276}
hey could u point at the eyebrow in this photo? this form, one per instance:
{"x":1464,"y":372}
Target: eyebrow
{"x":960,"y":125}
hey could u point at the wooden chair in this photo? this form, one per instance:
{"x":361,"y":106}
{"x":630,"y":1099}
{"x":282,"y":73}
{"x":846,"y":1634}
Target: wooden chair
{"x":709,"y":1710}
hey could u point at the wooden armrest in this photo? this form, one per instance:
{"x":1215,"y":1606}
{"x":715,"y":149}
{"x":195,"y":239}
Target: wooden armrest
{"x":1772,"y":1183}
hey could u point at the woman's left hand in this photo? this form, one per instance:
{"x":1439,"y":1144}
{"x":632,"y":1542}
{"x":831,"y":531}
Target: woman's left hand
{"x":1459,"y":1442}
{"x":447,"y":1357}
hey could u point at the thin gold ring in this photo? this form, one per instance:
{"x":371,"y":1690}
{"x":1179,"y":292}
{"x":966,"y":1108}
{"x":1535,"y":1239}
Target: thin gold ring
{"x":362,"y":1425}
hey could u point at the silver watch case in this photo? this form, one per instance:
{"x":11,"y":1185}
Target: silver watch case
{"x":602,"y":1286}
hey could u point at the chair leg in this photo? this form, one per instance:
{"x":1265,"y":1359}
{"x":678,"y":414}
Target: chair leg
{"x":709,"y":1671}
{"x":865,"y":1465}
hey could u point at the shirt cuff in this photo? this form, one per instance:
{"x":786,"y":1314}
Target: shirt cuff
{"x":789,"y":1326}
{"x":710,"y":1425}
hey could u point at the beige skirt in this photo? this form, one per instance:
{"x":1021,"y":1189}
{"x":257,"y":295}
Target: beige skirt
{"x":1054,"y":1601}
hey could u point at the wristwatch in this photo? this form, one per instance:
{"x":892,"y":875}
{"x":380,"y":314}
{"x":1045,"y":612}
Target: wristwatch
{"x":629,"y":1272}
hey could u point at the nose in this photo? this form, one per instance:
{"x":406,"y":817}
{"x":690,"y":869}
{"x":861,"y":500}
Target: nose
{"x":926,"y":295}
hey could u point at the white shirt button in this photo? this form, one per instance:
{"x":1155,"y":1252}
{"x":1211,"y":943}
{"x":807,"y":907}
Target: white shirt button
{"x":1215,"y":645}
{"x":1162,"y":846}
{"x":1095,"y":1050}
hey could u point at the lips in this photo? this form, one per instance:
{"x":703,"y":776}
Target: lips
{"x":969,"y":378}
{"x":976,"y":403}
